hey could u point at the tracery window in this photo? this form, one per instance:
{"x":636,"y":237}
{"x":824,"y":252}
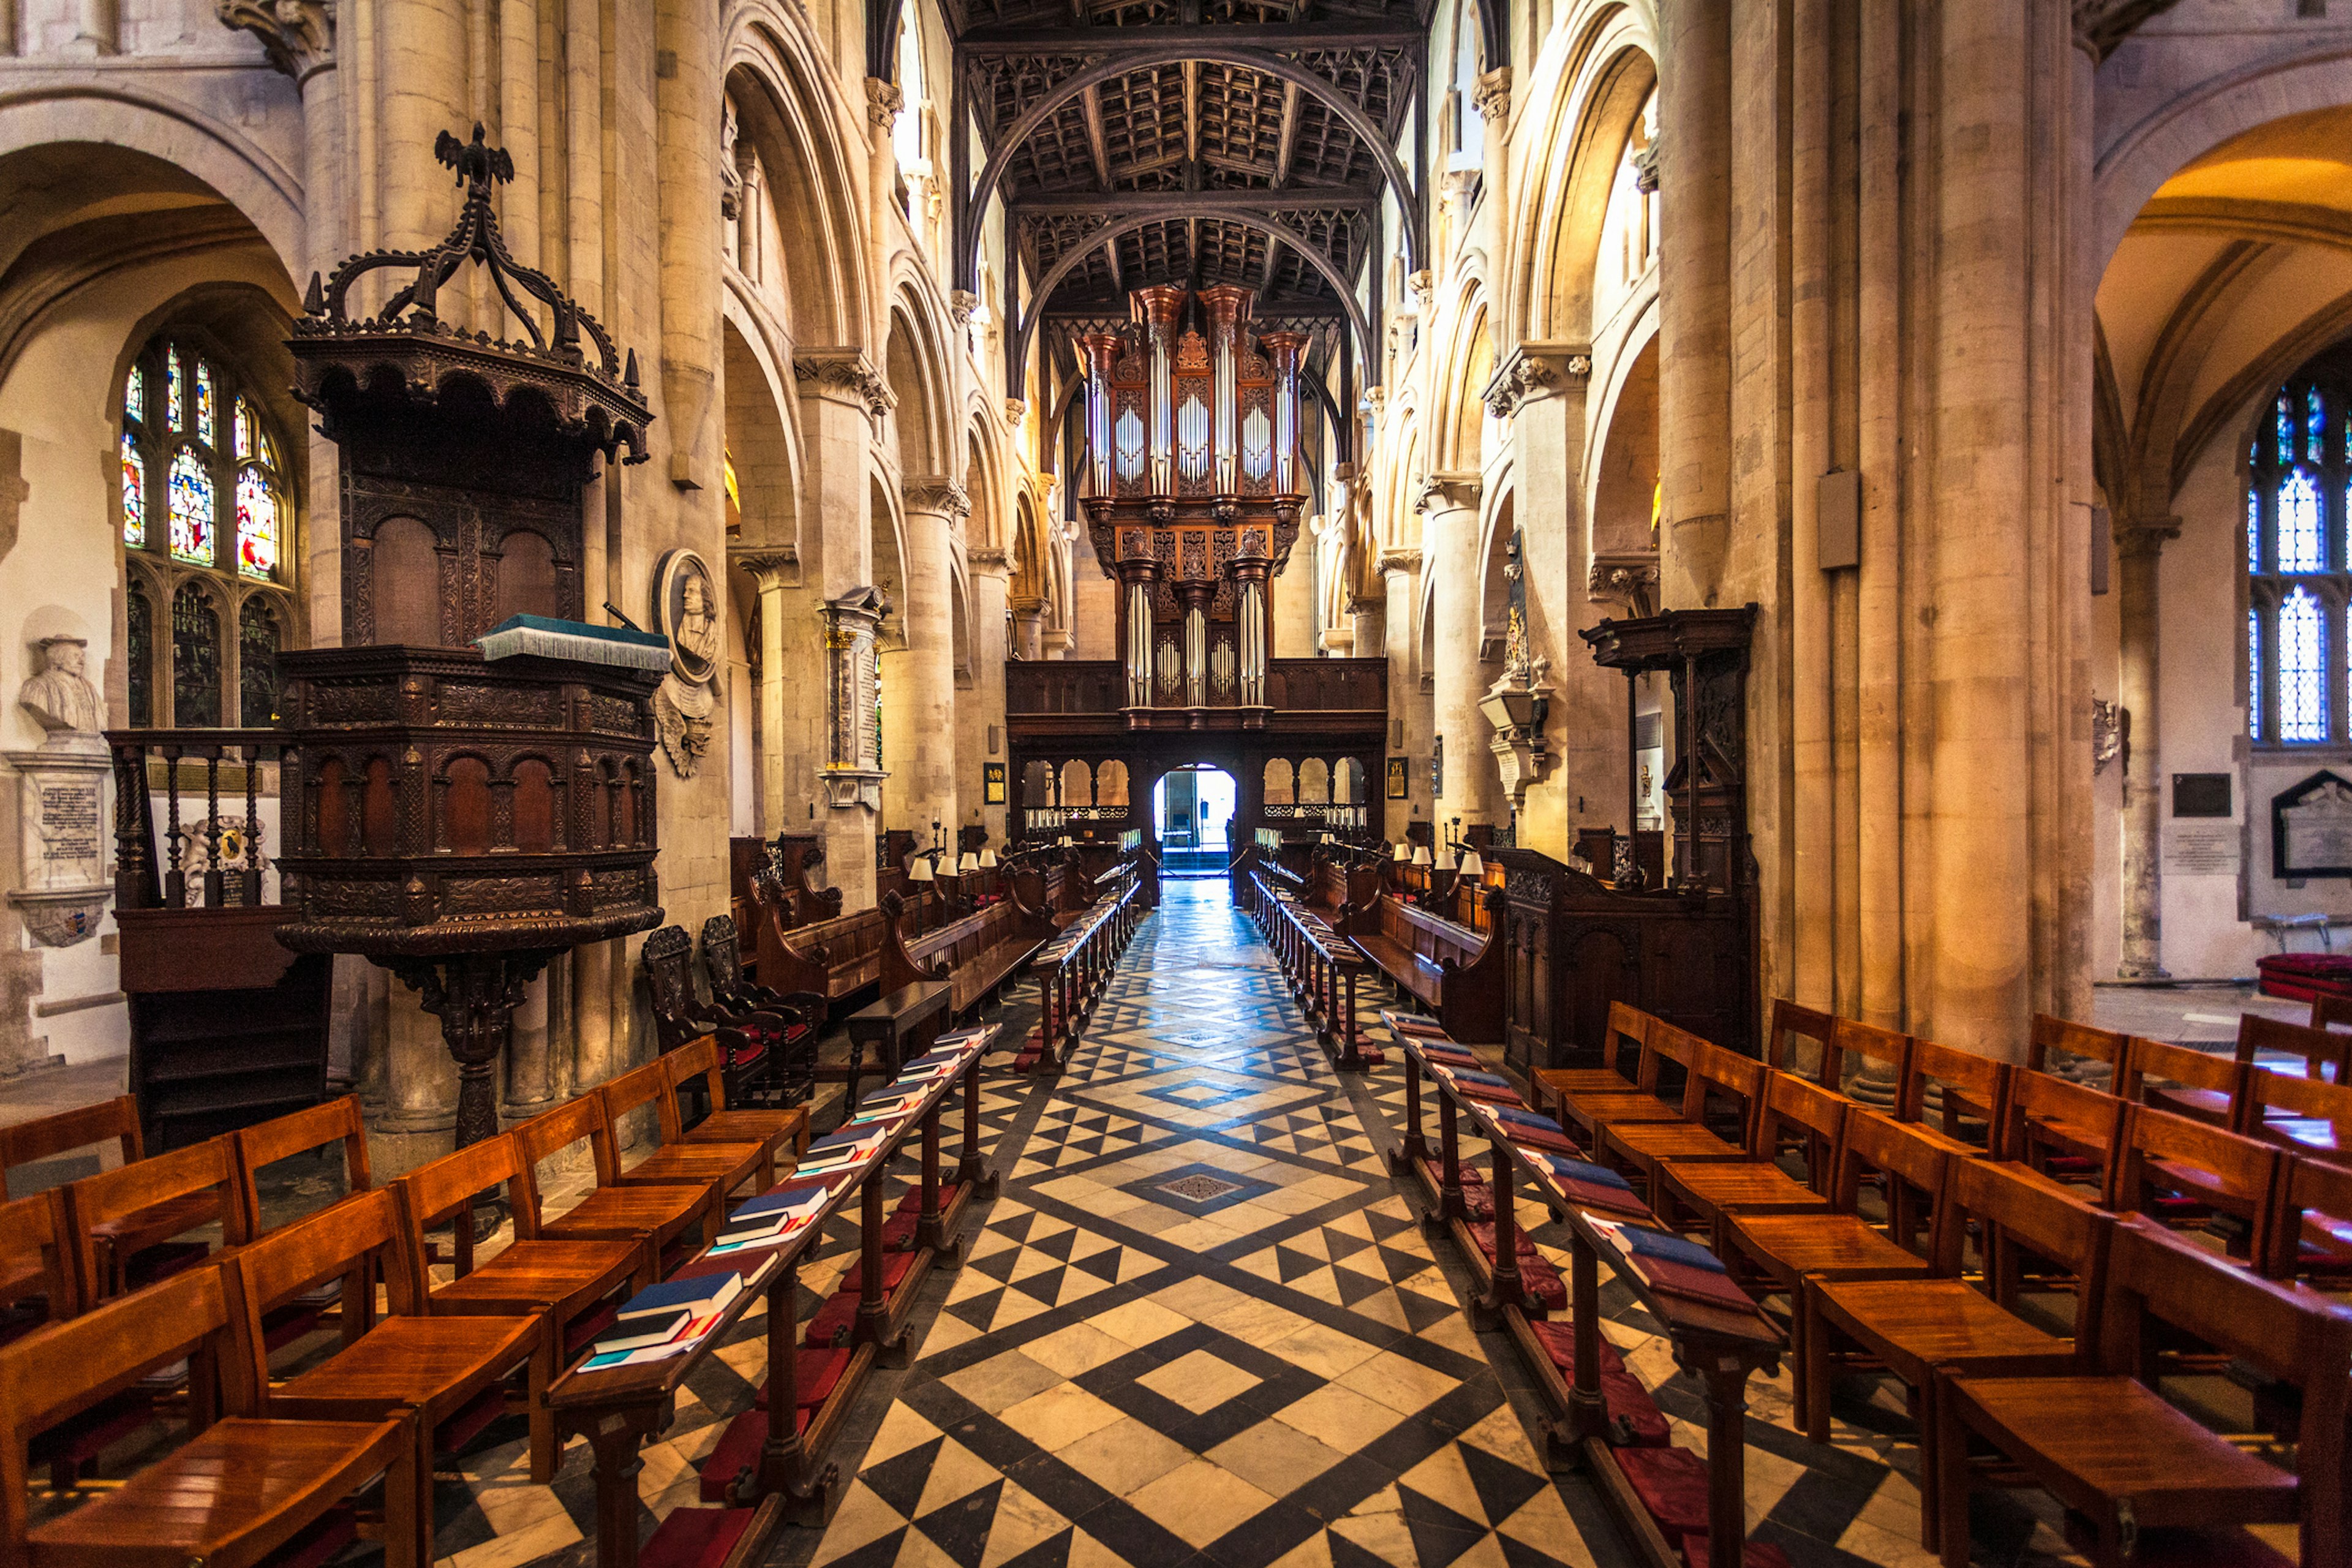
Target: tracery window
{"x":207,"y":518}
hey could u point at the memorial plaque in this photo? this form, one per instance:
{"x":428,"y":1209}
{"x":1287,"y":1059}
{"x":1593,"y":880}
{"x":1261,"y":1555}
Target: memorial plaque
{"x":2201,"y":848}
{"x":62,"y":844}
{"x":2310,"y":828}
{"x":2201,"y":795}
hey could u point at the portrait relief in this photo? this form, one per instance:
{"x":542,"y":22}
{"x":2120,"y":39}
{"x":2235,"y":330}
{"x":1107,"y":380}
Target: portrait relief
{"x":686,"y":611}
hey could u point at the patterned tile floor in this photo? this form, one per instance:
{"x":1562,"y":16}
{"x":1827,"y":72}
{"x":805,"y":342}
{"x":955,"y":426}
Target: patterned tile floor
{"x":1200,"y":1326}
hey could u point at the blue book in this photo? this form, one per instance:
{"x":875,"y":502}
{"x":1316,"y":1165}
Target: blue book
{"x":790,"y":1195}
{"x":1569,"y":1170}
{"x":1483,"y":1079}
{"x":1643,"y":1243}
{"x":699,"y":1294}
{"x":1526,"y":1119}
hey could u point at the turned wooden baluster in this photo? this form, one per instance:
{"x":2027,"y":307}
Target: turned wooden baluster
{"x":175,"y":881}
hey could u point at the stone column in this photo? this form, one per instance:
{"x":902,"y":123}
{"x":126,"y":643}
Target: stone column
{"x":883,"y":101}
{"x":791,"y":708}
{"x":1409,"y":707}
{"x":2141,"y":546}
{"x":1694,"y":296}
{"x":1449,"y":537}
{"x":992,"y":573}
{"x":919,"y":698}
{"x":531,"y":1065}
{"x":1029,"y":626}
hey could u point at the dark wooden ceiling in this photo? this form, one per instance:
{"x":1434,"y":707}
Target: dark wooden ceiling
{"x":1180,"y":167}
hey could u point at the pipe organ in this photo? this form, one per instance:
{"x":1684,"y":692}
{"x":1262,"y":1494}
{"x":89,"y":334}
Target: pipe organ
{"x":1194,"y":490}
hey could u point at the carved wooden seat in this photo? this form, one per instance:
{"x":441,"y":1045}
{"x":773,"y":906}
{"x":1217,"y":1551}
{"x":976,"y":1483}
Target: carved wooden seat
{"x":833,"y":959}
{"x":1964,"y":1091}
{"x":976,"y":953}
{"x":790,"y":1075}
{"x":448,"y":1370}
{"x":2178,"y":1172}
{"x":2282,"y":1047}
{"x":1653,"y":1096}
{"x":1715,"y":1078}
{"x":2301,"y":1115}
{"x":337,"y":1121}
{"x":577,"y":1284}
{"x":113,"y":1121}
{"x":2057,"y":1043}
{"x":1797,"y":1116}
{"x":2147,"y":1483}
{"x":663,"y":1215}
{"x":1794,"y":1027}
{"x":1913,"y":1327}
{"x":1451,"y":969}
{"x":236,"y":1493}
{"x":696,"y":1069}
{"x":2060,"y":1130}
{"x":749,"y":1040}
{"x":2313,"y":1237}
{"x":678,"y":1162}
{"x":1854,"y":1045}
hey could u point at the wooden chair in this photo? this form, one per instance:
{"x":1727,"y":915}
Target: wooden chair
{"x":1912,"y":1328}
{"x":2301,"y":1115}
{"x":2178,"y":1172}
{"x":448,"y":1370}
{"x":113,"y":1121}
{"x":1854,"y":1043}
{"x":609,"y":1212}
{"x":2149,"y":1484}
{"x":747,"y":1039}
{"x":281,"y":1138}
{"x":2185,"y":1082}
{"x":1971,"y":1091}
{"x":2312,"y":1238}
{"x":577,"y":1284}
{"x":1622,"y":1044}
{"x":1699,"y":1194}
{"x":2067,"y":1039}
{"x":697,"y":1068}
{"x":1793,"y":1026}
{"x":36,"y":1271}
{"x":2060,"y":1130}
{"x":114,"y":1217}
{"x":239,"y":1492}
{"x":1648,"y":1099}
{"x":2293,"y":1048}
{"x":677,"y":1163}
{"x":1716,"y":1075}
{"x":1784,"y":1249}
{"x":2331,"y":1012}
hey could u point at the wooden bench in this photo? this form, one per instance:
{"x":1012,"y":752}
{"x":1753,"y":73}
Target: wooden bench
{"x":1453,"y":972}
{"x":834,"y":959}
{"x":977,"y":954}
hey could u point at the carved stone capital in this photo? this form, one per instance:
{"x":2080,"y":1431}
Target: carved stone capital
{"x":961,"y":303}
{"x":1375,"y":398}
{"x":1443,"y":492}
{"x":1493,"y":96}
{"x":298,"y":34}
{"x":932,"y":492}
{"x":1646,"y":169}
{"x":989,"y":561}
{"x":1396,"y":561}
{"x":883,"y":102}
{"x":1628,"y":580}
{"x":2140,"y":538}
{"x":1423,"y":287}
{"x":1533,"y":369}
{"x":770,"y":567}
{"x":1016,"y":411}
{"x":846,"y":375}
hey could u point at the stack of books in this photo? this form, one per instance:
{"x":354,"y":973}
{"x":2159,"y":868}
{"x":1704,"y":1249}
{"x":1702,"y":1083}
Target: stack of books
{"x":775,"y":1217}
{"x":1670,"y":1266}
{"x":1588,"y":1185}
{"x":664,"y":1320}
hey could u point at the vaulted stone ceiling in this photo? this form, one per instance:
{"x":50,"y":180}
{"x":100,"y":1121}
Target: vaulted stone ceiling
{"x":1191,"y":142}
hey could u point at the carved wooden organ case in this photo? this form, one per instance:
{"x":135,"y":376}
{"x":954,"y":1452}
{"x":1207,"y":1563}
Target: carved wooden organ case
{"x":1193,"y":491}
{"x":457,"y":819}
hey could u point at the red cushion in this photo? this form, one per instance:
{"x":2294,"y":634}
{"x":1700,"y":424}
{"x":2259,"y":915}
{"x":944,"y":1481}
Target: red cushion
{"x":1672,"y":1485}
{"x":894,"y":1269}
{"x":695,"y":1538}
{"x":736,"y":1455}
{"x":834,"y":1320}
{"x":1559,"y":1340}
{"x":2301,"y":976}
{"x":1537,"y":1277}
{"x":819,"y":1371}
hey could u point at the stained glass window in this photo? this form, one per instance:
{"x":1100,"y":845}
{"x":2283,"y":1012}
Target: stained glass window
{"x":191,"y":508}
{"x":134,"y":394}
{"x":2303,"y":669}
{"x":257,"y":643}
{"x":135,"y":494}
{"x":2253,"y":530}
{"x":205,"y":402}
{"x":2315,"y":425}
{"x":243,"y":430}
{"x":256,"y":524}
{"x":2255,"y":668}
{"x":175,"y":393}
{"x":2286,"y":431}
{"x":2299,"y":546}
{"x":139,"y":652}
{"x":196,"y":659}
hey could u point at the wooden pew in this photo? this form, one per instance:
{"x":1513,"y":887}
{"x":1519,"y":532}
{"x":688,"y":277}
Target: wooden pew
{"x":977,"y":954}
{"x":114,"y":1121}
{"x":834,"y":959}
{"x":756,"y":1043}
{"x":1454,"y":973}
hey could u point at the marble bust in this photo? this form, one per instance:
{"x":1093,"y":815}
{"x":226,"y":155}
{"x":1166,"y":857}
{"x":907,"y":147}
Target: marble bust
{"x":60,"y":697}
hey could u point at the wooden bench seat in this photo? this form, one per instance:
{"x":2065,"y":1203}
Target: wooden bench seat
{"x":835,"y":958}
{"x":1452,"y":971}
{"x":977,"y":954}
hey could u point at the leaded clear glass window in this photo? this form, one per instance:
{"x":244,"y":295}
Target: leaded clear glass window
{"x":2299,"y":560}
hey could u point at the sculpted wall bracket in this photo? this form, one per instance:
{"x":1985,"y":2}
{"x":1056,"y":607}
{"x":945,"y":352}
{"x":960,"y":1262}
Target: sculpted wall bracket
{"x":1628,"y":580}
{"x":297,"y":35}
{"x":846,"y":376}
{"x":1533,"y":370}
